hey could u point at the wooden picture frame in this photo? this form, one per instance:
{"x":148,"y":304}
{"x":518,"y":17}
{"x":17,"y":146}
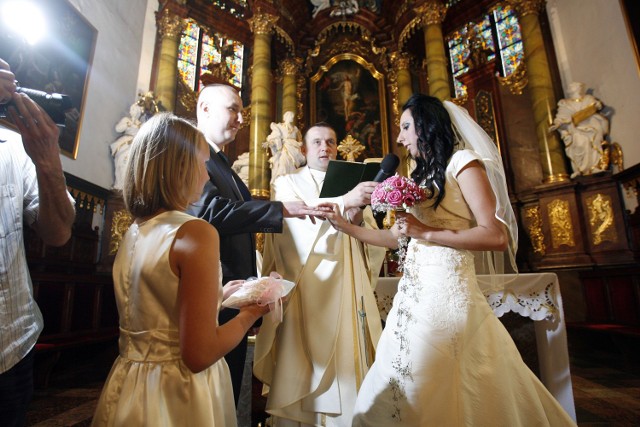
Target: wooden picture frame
{"x":631,"y":13}
{"x":59,"y":63}
{"x":348,"y":93}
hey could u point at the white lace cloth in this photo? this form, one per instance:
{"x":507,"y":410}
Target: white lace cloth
{"x":536,"y":296}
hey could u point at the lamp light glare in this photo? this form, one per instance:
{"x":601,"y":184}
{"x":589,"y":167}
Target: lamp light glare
{"x":25,"y":19}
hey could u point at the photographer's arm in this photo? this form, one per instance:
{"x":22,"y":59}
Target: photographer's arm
{"x":56,"y":212}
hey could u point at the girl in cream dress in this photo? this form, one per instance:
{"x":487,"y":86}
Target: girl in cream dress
{"x":167,"y":279}
{"x":444,"y":358}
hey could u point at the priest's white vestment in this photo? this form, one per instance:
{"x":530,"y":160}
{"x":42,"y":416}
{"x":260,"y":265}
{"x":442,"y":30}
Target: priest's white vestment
{"x":313,"y":363}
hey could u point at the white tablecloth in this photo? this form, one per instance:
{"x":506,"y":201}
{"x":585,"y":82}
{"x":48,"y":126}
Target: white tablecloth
{"x":536,"y":296}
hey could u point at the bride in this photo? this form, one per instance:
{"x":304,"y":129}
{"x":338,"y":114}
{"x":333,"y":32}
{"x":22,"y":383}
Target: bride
{"x":444,"y":358}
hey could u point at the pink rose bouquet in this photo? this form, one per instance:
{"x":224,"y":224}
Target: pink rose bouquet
{"x":397,"y":193}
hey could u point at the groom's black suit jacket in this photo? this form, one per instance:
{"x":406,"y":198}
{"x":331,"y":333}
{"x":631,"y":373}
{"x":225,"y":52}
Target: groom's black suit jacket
{"x":226,"y":204}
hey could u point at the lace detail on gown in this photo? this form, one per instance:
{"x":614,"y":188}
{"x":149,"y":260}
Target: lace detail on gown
{"x":444,"y":301}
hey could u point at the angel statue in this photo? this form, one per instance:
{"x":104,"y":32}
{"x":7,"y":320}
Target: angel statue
{"x":285,"y":142}
{"x":128,"y":126}
{"x":145,"y":107}
{"x":319,"y":5}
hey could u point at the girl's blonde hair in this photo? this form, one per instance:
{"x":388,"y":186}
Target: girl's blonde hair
{"x":162,"y":169}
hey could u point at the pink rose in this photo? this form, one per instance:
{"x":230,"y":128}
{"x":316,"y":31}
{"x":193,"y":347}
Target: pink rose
{"x":409,"y":200}
{"x":394,"y":198}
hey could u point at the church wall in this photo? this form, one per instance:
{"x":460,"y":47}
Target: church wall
{"x":593,"y":46}
{"x":118,"y":72}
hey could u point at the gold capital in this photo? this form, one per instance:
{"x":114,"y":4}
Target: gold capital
{"x":263,"y":23}
{"x":431,"y":12}
{"x":527,"y":7}
{"x":401,"y":60}
{"x":169,"y":24}
{"x":289,"y":67}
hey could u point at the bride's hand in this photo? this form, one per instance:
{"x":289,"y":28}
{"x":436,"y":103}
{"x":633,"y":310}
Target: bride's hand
{"x":333,"y":215}
{"x":408,"y":225}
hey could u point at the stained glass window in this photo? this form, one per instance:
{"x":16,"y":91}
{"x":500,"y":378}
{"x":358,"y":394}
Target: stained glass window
{"x":509,"y":38}
{"x":503,"y":23}
{"x":198,"y":49}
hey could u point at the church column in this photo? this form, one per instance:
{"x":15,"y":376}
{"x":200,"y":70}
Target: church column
{"x":262,"y":26}
{"x":541,"y":89}
{"x":170,"y":27}
{"x":405,"y":90}
{"x":432,"y":14}
{"x":289,"y":74}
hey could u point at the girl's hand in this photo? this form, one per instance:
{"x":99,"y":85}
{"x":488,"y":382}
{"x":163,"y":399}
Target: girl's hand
{"x":257,"y":311}
{"x":230,"y":288}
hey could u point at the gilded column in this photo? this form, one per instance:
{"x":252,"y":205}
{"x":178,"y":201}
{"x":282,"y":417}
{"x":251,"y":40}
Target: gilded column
{"x":170,"y":27}
{"x":541,"y":88}
{"x":262,"y":25}
{"x":289,"y":74}
{"x":405,"y":90}
{"x":432,"y":14}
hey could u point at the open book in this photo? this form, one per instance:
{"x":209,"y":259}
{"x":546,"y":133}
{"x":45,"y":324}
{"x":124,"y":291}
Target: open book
{"x":343,"y":176}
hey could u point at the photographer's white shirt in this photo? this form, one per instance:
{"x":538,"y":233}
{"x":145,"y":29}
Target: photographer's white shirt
{"x":20,"y":318}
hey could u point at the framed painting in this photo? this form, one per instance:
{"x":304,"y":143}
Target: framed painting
{"x":59,"y":62}
{"x":631,"y":12}
{"x":348,"y":93}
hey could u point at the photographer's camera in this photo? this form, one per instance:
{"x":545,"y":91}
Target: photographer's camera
{"x":54,"y":104}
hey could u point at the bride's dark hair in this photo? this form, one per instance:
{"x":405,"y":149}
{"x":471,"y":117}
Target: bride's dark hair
{"x":436,"y":142}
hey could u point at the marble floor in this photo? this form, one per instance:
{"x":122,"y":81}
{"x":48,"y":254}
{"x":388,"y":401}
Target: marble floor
{"x":606,"y":389}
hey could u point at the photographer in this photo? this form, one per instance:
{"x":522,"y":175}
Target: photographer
{"x":29,"y":161}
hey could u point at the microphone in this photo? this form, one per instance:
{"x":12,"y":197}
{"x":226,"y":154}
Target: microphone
{"x":388,"y":167}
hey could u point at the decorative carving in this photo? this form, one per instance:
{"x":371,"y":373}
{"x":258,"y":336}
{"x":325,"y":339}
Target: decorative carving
{"x":392,"y":75}
{"x":170,"y":25}
{"x":347,"y":45}
{"x":478,"y":51}
{"x":246,"y":116}
{"x":301,"y":93}
{"x":401,"y":60}
{"x":527,"y":7}
{"x":516,"y":81}
{"x":431,"y":12}
{"x":404,"y":7}
{"x":119,"y":226}
{"x":534,"y":227}
{"x":560,"y":222}
{"x":601,"y":219}
{"x":285,"y":38}
{"x":289,"y":67}
{"x":485,"y":115}
{"x":461,"y":100}
{"x":217,"y":72}
{"x":350,"y":148}
{"x":263,"y":23}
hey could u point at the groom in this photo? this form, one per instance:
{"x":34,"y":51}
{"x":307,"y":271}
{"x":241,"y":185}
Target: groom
{"x":226,"y":203}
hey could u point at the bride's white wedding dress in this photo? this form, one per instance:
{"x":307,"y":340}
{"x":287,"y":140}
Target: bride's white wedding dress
{"x":444,"y":358}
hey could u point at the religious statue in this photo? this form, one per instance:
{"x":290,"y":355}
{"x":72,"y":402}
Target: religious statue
{"x":479,"y":52}
{"x":241,"y":167}
{"x":345,"y":8}
{"x":145,"y":107}
{"x":583,"y":130}
{"x":319,"y":5}
{"x":285,"y":142}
